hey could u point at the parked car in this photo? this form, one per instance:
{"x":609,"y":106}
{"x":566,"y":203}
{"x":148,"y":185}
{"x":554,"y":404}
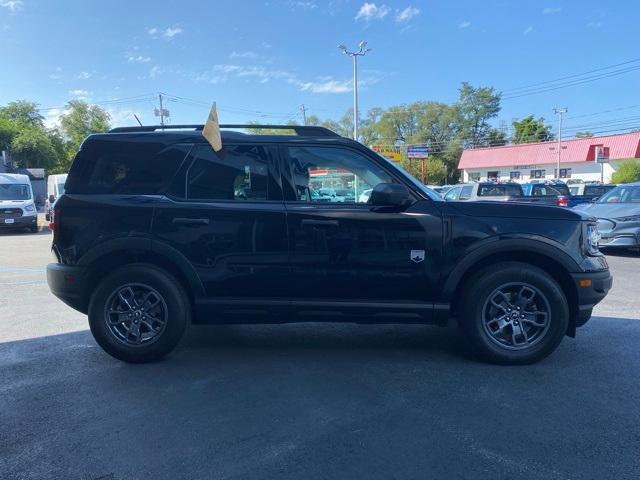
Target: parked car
{"x":149,"y":237}
{"x":440,"y":189}
{"x":618,"y":214}
{"x":485,"y":191}
{"x":55,"y":189}
{"x":547,"y":192}
{"x":587,"y":192}
{"x":17,"y":205}
{"x":365,"y":195}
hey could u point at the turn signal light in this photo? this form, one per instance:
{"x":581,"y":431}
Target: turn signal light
{"x":585,"y":282}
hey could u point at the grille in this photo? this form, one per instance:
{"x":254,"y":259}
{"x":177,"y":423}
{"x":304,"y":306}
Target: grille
{"x":10,"y":212}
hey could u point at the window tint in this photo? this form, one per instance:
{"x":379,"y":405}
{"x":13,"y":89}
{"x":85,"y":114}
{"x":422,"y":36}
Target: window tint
{"x":596,"y":190}
{"x":498,"y":190}
{"x":542,"y":190}
{"x":236,"y":173}
{"x":466,"y":192}
{"x":111,"y":167}
{"x":335,"y":175}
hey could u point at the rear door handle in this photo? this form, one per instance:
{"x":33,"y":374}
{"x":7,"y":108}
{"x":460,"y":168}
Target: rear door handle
{"x":191,"y":221}
{"x":319,"y":223}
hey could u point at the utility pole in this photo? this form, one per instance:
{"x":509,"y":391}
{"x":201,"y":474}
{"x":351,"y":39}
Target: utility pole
{"x":304,"y":114}
{"x":161,"y":111}
{"x":354,"y":55}
{"x":560,"y":112}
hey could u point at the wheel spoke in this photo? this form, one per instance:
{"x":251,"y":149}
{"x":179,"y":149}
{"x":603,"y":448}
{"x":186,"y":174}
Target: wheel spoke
{"x":532,"y":318}
{"x":500,"y":321}
{"x":517,"y":330}
{"x":525,"y":296}
{"x":502,"y":305}
{"x":129,"y":302}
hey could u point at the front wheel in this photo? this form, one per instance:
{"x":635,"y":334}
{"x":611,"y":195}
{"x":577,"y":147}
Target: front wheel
{"x":138,"y":313}
{"x":514,"y":313}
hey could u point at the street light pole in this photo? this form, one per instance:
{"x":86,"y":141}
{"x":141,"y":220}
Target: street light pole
{"x":560,"y":112}
{"x":354,"y":55}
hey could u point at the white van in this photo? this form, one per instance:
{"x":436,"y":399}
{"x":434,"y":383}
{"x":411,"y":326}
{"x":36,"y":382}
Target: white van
{"x":17,"y":208}
{"x":55,"y":189}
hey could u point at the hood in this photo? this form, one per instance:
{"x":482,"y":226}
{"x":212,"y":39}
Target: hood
{"x":515,"y":210}
{"x":14,"y":203}
{"x":610,"y":210}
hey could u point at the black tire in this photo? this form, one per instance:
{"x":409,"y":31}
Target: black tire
{"x":163,"y":287}
{"x":479,"y":317}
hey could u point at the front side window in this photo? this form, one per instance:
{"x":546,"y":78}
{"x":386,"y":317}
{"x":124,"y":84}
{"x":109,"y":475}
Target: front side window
{"x":236,"y":173}
{"x":622,"y":194}
{"x":333,"y":175}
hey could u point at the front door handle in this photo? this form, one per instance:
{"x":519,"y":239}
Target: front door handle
{"x":307,"y":222}
{"x":191,"y":221}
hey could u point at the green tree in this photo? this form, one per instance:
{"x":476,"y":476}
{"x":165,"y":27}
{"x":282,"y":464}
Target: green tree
{"x":530,"y":130}
{"x":32,"y":148}
{"x":584,"y":134}
{"x":478,"y":105}
{"x":8,"y":131}
{"x":496,"y":138}
{"x":22,"y":113}
{"x":629,"y":171}
{"x":81,"y":120}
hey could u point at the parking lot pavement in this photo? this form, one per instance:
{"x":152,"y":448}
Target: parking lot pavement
{"x":309,"y":401}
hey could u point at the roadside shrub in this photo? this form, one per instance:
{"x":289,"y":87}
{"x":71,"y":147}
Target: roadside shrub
{"x":628,"y":172}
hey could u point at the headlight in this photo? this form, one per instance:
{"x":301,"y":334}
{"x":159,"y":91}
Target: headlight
{"x":632,"y":218}
{"x":30,"y":207}
{"x":591,"y":239}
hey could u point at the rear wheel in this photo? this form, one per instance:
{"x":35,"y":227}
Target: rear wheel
{"x":139,"y":313}
{"x":514,"y":313}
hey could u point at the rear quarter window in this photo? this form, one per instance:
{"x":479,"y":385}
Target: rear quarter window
{"x":111,"y":167}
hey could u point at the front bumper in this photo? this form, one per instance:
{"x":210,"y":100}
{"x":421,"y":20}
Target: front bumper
{"x":19,"y":222}
{"x":67,"y":283}
{"x":591,"y":287}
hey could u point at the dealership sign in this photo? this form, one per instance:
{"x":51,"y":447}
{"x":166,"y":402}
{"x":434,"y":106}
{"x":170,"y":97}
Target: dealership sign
{"x":602,"y":154}
{"x":391,"y":152}
{"x":417,"y":151}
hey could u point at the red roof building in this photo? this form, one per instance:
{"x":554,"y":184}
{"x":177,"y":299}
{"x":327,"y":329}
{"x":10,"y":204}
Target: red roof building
{"x":539,"y":160}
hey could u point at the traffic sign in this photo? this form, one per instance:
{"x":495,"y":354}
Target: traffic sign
{"x":417,"y":151}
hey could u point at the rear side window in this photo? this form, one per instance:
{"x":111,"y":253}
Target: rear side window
{"x":497,"y":190}
{"x":543,"y":190}
{"x":238,"y":173}
{"x":125,"y":168}
{"x":466,"y":192}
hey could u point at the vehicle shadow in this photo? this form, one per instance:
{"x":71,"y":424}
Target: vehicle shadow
{"x":320,"y":401}
{"x":621,"y":252}
{"x":42,"y":230}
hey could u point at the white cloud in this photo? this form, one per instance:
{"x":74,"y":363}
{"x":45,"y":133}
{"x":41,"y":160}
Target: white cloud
{"x":52,"y":117}
{"x":83,"y":76}
{"x":327,"y":86}
{"x":595,"y":25}
{"x":464,"y":24}
{"x":80,"y":94}
{"x":304,"y":5}
{"x":552,"y":10}
{"x":56,"y":75}
{"x":155,"y":71}
{"x":527,"y":31}
{"x":138,"y":59}
{"x":247,"y":54}
{"x":124,"y":117}
{"x":12,"y":5}
{"x":370,"y":11}
{"x":167,"y":33}
{"x":407,"y":14}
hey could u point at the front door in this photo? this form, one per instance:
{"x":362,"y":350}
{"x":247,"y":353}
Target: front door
{"x":343,"y":248}
{"x":226,"y":216}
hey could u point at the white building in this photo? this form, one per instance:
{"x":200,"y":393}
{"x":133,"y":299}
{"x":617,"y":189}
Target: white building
{"x":532,"y":161}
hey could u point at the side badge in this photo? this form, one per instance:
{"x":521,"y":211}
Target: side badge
{"x":417,"y":255}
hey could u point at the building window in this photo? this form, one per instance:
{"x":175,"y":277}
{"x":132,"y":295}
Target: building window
{"x":538,"y":173}
{"x":514,"y":175}
{"x":493,"y":176}
{"x":474,"y":176}
{"x":564,"y":173}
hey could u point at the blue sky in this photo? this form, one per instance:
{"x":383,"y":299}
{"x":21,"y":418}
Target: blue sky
{"x":261,"y":60}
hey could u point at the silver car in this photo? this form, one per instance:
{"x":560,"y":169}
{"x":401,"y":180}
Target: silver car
{"x":618,"y":214}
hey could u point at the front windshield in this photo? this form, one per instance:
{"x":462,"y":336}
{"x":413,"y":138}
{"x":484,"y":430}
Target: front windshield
{"x":14,"y":191}
{"x":427,"y":191}
{"x":622,"y":194}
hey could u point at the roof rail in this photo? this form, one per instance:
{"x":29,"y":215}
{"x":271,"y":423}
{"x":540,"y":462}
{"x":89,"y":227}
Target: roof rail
{"x":303,"y":131}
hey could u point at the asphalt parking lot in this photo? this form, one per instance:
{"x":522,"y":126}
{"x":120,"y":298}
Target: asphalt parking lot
{"x":309,"y":401}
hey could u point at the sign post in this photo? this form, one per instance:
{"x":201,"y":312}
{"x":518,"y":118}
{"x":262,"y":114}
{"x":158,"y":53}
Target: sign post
{"x":602,"y":157}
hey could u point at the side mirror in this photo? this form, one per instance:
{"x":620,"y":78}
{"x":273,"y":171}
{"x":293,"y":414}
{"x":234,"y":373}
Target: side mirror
{"x":390,"y":195}
{"x":52,"y":198}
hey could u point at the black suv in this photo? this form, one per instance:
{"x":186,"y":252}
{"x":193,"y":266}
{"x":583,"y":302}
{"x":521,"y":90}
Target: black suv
{"x":156,"y":230}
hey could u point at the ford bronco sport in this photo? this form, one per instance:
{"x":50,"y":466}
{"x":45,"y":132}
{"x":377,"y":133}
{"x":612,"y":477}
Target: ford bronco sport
{"x":156,"y":230}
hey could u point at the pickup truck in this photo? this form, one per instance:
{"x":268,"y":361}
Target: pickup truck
{"x":549,"y":192}
{"x":587,"y":192}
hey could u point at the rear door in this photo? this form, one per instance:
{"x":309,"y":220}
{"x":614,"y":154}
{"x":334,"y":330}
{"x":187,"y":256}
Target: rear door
{"x":345,"y":248}
{"x":226,"y":216}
